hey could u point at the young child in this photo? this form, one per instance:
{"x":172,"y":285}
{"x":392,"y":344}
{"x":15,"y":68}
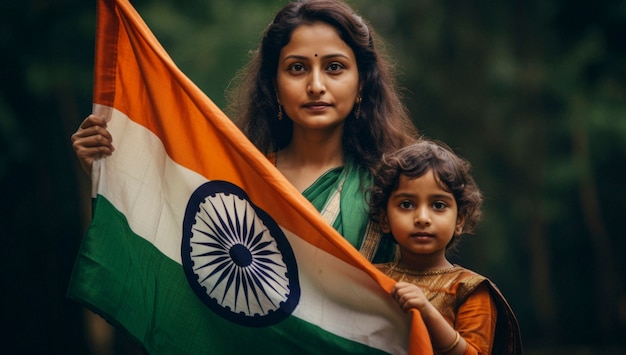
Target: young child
{"x":425,"y":198}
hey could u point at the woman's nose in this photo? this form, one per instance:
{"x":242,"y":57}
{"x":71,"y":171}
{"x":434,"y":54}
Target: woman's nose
{"x":316,"y":83}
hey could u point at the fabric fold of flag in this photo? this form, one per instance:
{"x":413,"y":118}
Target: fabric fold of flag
{"x":197,"y":243}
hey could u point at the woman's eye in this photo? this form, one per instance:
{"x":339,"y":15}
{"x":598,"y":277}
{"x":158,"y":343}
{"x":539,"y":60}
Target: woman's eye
{"x":296,"y":67}
{"x":335,"y":67}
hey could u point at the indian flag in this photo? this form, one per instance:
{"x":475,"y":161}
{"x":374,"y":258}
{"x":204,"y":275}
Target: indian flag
{"x":198,"y":245}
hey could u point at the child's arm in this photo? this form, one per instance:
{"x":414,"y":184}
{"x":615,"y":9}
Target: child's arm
{"x":443,"y":336}
{"x":476,"y":321}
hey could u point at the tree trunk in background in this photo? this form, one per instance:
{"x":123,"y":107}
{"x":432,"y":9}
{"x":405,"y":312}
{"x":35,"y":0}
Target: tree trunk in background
{"x":607,"y":279}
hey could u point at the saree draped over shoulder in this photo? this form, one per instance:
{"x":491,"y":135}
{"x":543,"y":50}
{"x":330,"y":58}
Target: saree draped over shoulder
{"x":471,"y":303}
{"x":339,"y":195}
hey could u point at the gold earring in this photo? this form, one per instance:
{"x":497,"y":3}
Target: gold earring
{"x":357,"y":112}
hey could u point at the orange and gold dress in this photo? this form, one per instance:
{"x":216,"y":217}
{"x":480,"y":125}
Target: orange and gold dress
{"x":471,"y":303}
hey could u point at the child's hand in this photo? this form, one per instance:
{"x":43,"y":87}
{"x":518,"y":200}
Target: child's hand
{"x":409,"y":296}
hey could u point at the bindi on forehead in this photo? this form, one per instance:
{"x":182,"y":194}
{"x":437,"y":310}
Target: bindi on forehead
{"x":316,"y":54}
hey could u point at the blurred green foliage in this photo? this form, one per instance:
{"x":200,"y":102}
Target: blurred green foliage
{"x":532,"y":92}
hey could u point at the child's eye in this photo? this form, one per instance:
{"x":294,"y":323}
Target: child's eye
{"x":406,"y":204}
{"x":439,"y":205}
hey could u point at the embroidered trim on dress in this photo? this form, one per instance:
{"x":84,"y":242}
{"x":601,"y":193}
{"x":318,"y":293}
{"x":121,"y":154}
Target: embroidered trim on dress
{"x":394,"y":268}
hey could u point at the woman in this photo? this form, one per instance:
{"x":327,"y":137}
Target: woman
{"x":321,"y":102}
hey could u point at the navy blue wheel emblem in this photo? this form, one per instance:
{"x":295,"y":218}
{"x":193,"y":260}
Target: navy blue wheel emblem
{"x":236,"y":258}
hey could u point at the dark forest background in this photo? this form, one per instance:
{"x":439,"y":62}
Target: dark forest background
{"x":531,"y":91}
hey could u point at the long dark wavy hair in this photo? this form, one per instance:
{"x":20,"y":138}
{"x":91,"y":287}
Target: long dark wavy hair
{"x":383,"y":125}
{"x":452,"y":173}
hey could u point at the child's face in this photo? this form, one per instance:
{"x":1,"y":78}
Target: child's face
{"x":421,"y":216}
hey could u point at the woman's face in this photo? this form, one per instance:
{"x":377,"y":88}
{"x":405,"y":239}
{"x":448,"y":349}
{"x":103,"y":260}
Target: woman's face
{"x":317,"y":79}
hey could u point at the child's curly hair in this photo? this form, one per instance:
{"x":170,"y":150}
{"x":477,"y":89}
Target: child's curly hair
{"x":452,"y":173}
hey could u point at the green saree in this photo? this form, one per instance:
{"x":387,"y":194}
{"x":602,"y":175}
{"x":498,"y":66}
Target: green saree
{"x":339,"y":195}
